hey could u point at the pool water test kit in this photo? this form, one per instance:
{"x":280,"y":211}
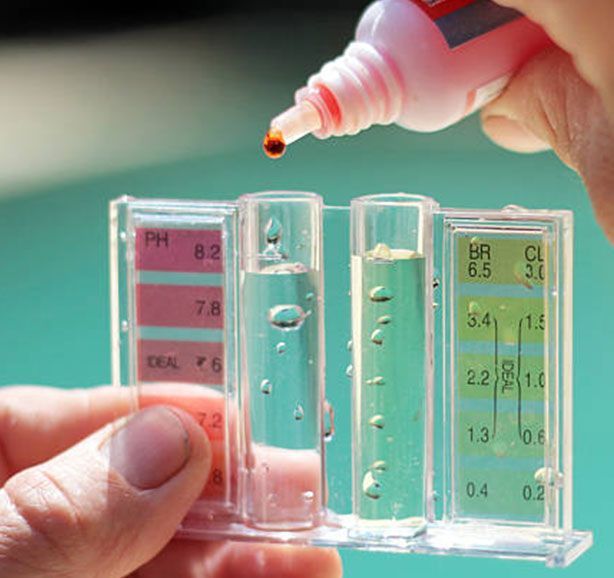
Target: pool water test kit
{"x":407,"y":390}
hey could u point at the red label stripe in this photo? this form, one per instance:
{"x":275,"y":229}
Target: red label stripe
{"x":438,"y":8}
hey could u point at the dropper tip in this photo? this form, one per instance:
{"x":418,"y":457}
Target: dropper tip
{"x":274,"y":144}
{"x":291,"y":125}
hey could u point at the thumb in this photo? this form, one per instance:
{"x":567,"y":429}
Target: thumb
{"x":549,"y":105}
{"x":107,"y":505}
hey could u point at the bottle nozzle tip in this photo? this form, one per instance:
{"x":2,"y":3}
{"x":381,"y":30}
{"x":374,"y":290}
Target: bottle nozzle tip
{"x":289,"y":126}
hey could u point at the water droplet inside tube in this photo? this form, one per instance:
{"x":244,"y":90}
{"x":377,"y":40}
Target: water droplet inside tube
{"x":287,"y":316}
{"x":377,"y":421}
{"x":380,"y":294}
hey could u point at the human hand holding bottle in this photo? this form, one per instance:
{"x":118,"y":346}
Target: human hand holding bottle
{"x":564,"y":98}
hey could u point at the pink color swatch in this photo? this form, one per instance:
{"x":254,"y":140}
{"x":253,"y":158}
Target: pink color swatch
{"x":180,"y":306}
{"x":179,"y":250}
{"x":182,"y":361}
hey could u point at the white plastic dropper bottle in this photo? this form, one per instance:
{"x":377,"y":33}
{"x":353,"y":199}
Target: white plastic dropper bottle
{"x":423,"y":64}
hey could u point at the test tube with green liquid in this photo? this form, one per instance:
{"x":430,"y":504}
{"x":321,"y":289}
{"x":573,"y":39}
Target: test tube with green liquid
{"x":391,"y":337}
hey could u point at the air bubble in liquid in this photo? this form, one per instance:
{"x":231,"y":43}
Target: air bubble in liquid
{"x":379,"y":466}
{"x":384,"y":320}
{"x":371,"y":487}
{"x":299,"y":412}
{"x":310,"y":296}
{"x":308,"y":496}
{"x":548,"y":477}
{"x":349,"y":345}
{"x":125,"y":326}
{"x":377,"y":380}
{"x":287,"y":316}
{"x":377,"y":337}
{"x":329,"y":421}
{"x":266,"y":387}
{"x":349,"y":370}
{"x":380,"y":294}
{"x":280,"y":347}
{"x":377,"y":421}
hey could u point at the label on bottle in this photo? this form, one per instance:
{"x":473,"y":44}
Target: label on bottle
{"x":463,"y":20}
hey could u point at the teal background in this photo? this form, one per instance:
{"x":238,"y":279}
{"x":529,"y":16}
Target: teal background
{"x":54,"y":275}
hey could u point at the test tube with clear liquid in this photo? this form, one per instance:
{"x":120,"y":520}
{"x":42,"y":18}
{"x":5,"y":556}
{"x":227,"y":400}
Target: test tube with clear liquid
{"x":392,"y":359}
{"x":282,"y":359}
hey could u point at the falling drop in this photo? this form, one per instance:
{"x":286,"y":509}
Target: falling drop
{"x":349,"y":370}
{"x":281,"y":347}
{"x":377,"y":421}
{"x":371,"y":487}
{"x":380,"y":294}
{"x":299,"y":412}
{"x":273,"y":231}
{"x":377,"y":380}
{"x":384,"y":320}
{"x":266,"y":387}
{"x":379,"y":466}
{"x":286,"y":316}
{"x":377,"y":337}
{"x":124,"y":326}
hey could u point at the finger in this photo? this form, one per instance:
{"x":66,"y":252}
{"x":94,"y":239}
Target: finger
{"x":584,"y":30}
{"x":513,"y":135}
{"x":37,"y":423}
{"x":107,"y":505}
{"x":552,"y":102}
{"x":184,"y":559}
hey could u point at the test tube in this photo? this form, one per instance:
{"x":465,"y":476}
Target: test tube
{"x":282,"y":360}
{"x":391,"y":334}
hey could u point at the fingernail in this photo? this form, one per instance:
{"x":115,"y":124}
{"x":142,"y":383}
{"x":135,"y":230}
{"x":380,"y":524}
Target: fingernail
{"x":151,"y":448}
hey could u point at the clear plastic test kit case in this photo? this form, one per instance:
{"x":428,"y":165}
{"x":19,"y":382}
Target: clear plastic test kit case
{"x":387,"y":376}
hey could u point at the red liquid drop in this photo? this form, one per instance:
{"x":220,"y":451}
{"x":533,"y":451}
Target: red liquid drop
{"x":274,"y":145}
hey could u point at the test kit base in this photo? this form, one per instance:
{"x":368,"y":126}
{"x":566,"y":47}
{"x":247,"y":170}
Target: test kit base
{"x":389,"y":376}
{"x":442,"y":539}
